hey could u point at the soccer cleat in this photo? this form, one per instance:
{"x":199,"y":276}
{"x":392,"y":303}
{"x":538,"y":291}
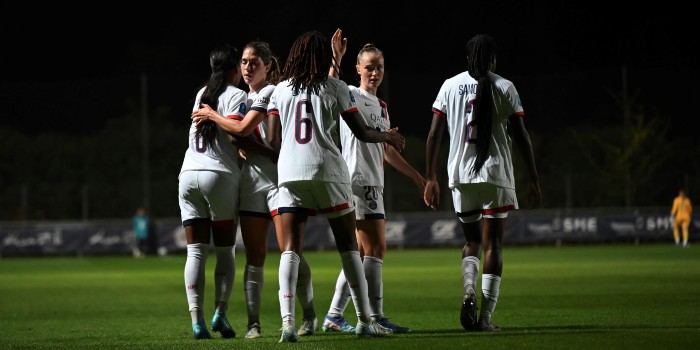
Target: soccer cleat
{"x":336,"y":324}
{"x":199,"y":330}
{"x":308,"y":327}
{"x":254,"y":331}
{"x":220,"y":324}
{"x":485,"y":325}
{"x":289,"y":334}
{"x":396,"y":329}
{"x":372,"y":329}
{"x":467,"y":316}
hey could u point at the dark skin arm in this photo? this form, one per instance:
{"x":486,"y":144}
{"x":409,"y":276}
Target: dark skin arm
{"x":517,"y":132}
{"x":431,"y":195}
{"x":275,"y":129}
{"x":366,"y":134}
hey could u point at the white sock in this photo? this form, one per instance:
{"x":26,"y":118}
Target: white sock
{"x":194,"y":279}
{"x":288,"y":275}
{"x":224,"y":274}
{"x":490,"y":285}
{"x":355,"y":274}
{"x":305,"y":290}
{"x":341,"y":296}
{"x":470,"y":272}
{"x":254,"y":278}
{"x":375,"y":285}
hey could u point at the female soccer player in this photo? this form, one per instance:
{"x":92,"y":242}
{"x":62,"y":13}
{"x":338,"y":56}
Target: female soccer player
{"x":208,"y":192}
{"x":258,"y":185}
{"x":366,"y":165}
{"x":312,"y":172}
{"x":482,"y":111}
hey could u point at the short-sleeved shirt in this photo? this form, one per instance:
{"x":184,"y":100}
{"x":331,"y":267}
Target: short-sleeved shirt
{"x":365,"y":160}
{"x":308,"y":150}
{"x":454,"y":103}
{"x":220,"y":155}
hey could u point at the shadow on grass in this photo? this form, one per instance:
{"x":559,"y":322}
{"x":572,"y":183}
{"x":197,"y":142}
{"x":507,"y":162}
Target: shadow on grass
{"x":540,"y":330}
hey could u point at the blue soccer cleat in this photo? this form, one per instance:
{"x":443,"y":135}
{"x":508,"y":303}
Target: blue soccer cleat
{"x":220,"y":324}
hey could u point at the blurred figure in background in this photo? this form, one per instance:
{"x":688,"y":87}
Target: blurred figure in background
{"x":141,"y":227}
{"x":681,"y":211}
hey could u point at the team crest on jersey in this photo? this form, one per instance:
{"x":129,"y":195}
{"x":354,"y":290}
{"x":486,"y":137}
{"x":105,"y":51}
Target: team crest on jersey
{"x":241,"y":108}
{"x":372,"y":204}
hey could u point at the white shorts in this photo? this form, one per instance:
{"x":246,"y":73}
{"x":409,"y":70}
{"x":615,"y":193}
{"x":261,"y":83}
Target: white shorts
{"x":471,"y":201}
{"x":261,"y":203}
{"x":205,"y":194}
{"x":330,"y":198}
{"x":369,"y":202}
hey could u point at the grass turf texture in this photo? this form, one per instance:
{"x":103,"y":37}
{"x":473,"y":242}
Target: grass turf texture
{"x":576,"y":297}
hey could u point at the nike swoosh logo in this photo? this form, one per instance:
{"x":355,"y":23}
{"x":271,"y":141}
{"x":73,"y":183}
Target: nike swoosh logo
{"x":367,"y":104}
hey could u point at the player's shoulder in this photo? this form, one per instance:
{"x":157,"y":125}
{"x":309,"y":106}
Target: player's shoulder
{"x":501,"y":81}
{"x":233,"y":91}
{"x":267,"y":90}
{"x":334,"y":83}
{"x":458,"y":79}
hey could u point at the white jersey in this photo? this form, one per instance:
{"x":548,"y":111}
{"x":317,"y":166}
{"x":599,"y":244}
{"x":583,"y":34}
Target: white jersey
{"x":220,"y":155}
{"x":259,"y":172}
{"x":365,"y":160}
{"x":308,"y":150}
{"x":454,"y":103}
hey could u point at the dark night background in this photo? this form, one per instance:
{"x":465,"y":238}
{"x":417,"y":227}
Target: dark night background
{"x":71,"y":73}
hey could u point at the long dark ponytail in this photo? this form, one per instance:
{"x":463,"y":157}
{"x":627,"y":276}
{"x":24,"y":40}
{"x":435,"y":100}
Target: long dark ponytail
{"x":222,"y":60}
{"x":481,"y":51}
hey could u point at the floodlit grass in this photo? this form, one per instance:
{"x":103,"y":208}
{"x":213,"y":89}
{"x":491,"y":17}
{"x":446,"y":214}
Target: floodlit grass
{"x":574,"y":297}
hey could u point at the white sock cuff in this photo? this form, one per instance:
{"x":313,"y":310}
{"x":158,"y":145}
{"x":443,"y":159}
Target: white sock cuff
{"x":253,"y":269}
{"x":374,"y":259}
{"x":351,"y":254}
{"x":290,"y":256}
{"x":470,"y":259}
{"x":197,"y":250}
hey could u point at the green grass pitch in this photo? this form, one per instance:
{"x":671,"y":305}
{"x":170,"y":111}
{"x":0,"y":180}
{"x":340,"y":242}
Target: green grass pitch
{"x":573,"y":297}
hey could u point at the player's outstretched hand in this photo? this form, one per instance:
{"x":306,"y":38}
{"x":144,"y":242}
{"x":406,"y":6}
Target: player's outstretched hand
{"x":339,"y":44}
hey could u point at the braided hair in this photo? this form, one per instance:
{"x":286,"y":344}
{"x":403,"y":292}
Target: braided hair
{"x":308,"y":63}
{"x":222,"y":60}
{"x":481,"y":52}
{"x":262,"y":49}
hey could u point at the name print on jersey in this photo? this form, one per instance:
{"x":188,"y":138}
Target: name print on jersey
{"x":467,"y":89}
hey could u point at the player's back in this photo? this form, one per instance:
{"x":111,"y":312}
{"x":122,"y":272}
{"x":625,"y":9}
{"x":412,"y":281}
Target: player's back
{"x":309,"y":150}
{"x":220,"y":154}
